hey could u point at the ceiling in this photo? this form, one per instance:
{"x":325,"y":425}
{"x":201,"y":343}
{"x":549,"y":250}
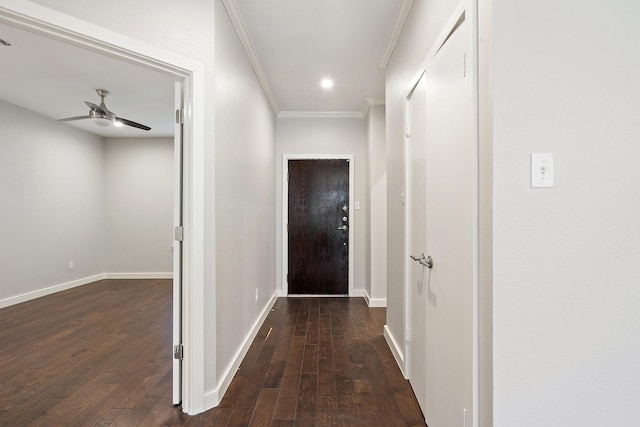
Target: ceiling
{"x":292,"y":45}
{"x":298,"y":43}
{"x":54,"y":79}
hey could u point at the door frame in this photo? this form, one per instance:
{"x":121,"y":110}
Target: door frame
{"x":52,"y":24}
{"x":284,"y":290}
{"x":468,"y":8}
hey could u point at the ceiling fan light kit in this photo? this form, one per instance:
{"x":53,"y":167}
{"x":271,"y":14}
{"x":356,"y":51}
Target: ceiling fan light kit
{"x":102,"y":116}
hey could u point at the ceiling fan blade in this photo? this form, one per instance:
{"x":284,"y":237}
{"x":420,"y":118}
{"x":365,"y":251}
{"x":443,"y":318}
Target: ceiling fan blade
{"x":68,"y":119}
{"x":95,"y":107}
{"x":132,"y":124}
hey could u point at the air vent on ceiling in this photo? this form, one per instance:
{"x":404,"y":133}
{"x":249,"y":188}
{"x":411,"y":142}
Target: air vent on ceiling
{"x":5,"y":43}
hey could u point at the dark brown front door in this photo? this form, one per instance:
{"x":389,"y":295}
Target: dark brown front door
{"x":318,"y":227}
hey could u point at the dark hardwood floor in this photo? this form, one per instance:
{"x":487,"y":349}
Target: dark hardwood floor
{"x":99,"y":355}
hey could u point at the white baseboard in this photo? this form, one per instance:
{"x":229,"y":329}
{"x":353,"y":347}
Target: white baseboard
{"x":78,"y":282}
{"x":50,"y":290}
{"x":398,"y":353}
{"x":357,"y":293}
{"x":138,"y":276}
{"x":374,"y":302}
{"x":212,"y":398}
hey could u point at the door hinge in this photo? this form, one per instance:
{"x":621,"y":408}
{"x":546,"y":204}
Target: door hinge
{"x":464,"y":65}
{"x":287,"y":277}
{"x":407,"y":131}
{"x":179,"y":233}
{"x":180,"y":116}
{"x":178,"y":351}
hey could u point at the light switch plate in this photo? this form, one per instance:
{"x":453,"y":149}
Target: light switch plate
{"x":541,"y":170}
{"x":356,"y":205}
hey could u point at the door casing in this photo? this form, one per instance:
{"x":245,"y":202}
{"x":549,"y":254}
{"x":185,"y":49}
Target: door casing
{"x":284,"y":289}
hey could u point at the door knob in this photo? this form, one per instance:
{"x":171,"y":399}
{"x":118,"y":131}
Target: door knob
{"x":427,"y":261}
{"x":343,"y":228}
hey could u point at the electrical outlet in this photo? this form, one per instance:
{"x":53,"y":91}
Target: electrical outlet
{"x":257,"y":290}
{"x":70,"y":265}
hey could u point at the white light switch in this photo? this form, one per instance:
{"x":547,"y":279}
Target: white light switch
{"x":356,"y":205}
{"x":541,"y":170}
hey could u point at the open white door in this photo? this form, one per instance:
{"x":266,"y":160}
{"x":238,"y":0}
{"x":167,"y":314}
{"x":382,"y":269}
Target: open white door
{"x":177,"y":247}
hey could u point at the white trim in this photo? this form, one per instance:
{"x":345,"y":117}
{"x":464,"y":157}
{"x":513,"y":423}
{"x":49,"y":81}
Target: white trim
{"x":396,"y":29}
{"x":321,"y":115}
{"x":375,"y":101}
{"x":407,"y":232}
{"x":284,"y":289}
{"x":193,"y":246}
{"x":213,"y":397}
{"x":396,"y":350}
{"x":28,"y":296}
{"x":138,"y":275}
{"x":471,"y":8}
{"x":370,"y":103}
{"x":236,"y":18}
{"x":374,"y":302}
{"x":50,"y":23}
{"x":356,"y":293}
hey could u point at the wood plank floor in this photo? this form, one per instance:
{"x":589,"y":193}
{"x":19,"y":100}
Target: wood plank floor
{"x":99,"y":355}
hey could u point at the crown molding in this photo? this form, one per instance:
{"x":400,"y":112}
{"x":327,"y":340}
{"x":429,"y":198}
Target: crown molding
{"x":370,"y":103}
{"x":236,"y":19}
{"x":320,"y":115}
{"x":396,"y":29}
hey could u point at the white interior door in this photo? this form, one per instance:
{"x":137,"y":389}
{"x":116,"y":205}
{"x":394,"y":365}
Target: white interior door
{"x":177,"y":250}
{"x":416,"y":236}
{"x":450,"y":234}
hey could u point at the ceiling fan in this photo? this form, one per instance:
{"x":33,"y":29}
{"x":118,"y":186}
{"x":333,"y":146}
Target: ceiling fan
{"x":102,"y":116}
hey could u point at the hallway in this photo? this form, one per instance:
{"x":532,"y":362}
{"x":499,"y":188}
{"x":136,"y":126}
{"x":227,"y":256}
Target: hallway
{"x":320,"y":361}
{"x":95,"y":355}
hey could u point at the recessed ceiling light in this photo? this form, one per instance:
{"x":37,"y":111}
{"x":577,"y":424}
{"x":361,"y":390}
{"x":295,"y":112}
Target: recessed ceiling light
{"x":326,"y":83}
{"x":5,"y":43}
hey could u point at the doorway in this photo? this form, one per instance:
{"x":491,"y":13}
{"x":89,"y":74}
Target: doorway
{"x":318,"y":227}
{"x":318,"y":224}
{"x":43,"y":21}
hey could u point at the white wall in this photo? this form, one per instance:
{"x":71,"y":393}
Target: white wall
{"x":138,"y":205}
{"x":326,"y":136}
{"x":245,"y":199}
{"x":376,"y":283}
{"x":566,"y":271}
{"x":104,"y":204}
{"x":51,"y":187}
